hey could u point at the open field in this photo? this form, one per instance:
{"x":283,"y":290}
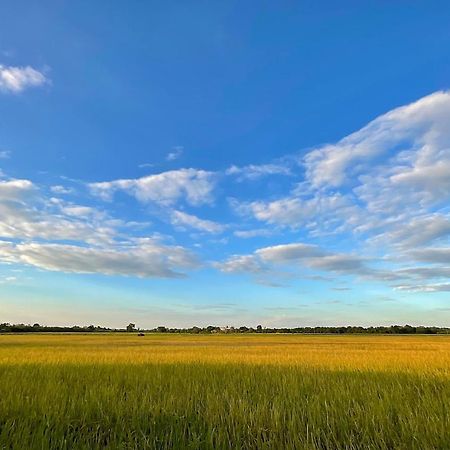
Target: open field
{"x":224,"y":391}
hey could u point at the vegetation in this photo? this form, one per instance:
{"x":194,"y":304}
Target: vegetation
{"x":36,"y":328}
{"x":117,"y":390}
{"x":393,"y":329}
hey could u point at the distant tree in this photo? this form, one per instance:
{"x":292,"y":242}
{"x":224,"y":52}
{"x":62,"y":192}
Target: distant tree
{"x":259,"y":328}
{"x":161,"y":329}
{"x":36,"y":325}
{"x":131,"y":327}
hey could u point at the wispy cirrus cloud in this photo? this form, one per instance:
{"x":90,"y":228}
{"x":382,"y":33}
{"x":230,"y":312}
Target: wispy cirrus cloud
{"x":253,"y":233}
{"x":255,"y":171}
{"x":424,"y":273}
{"x":185,"y":220}
{"x":426,"y":288}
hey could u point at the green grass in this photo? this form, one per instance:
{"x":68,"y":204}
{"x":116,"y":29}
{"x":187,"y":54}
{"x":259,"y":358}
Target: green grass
{"x":197,"y":404}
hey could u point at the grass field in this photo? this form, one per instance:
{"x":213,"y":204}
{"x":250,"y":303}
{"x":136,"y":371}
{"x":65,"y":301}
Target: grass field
{"x":224,"y":391}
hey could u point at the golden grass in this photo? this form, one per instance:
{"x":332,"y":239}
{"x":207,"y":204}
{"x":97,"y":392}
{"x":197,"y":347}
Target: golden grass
{"x":164,"y":391}
{"x":418,"y":354}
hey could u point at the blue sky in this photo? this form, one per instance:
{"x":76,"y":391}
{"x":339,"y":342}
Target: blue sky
{"x":196,"y":163}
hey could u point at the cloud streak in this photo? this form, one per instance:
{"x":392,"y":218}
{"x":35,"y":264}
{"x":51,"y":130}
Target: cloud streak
{"x":295,"y":255}
{"x":183,"y":220}
{"x":143,"y":259}
{"x":253,"y":171}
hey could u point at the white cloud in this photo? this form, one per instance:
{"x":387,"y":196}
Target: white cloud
{"x":80,"y":211}
{"x":17,"y":79}
{"x":424,"y":273}
{"x":297,"y":212}
{"x":384,"y":190}
{"x":296,"y":255}
{"x":287,"y":253}
{"x":431,"y":255}
{"x":174,"y":154}
{"x":417,"y":231}
{"x":8,"y":280}
{"x":145,"y":165}
{"x":144,"y":258}
{"x":240,"y":264}
{"x":253,"y":171}
{"x":31,"y":222}
{"x":5,"y":154}
{"x":15,"y":190}
{"x":166,"y":188}
{"x":341,"y":263}
{"x":26,"y":214}
{"x":388,"y":184}
{"x":35,"y":230}
{"x":182,"y":219}
{"x":258,"y":232}
{"x":58,"y":189}
{"x":445,"y":287}
{"x":421,"y":127}
{"x":314,"y":257}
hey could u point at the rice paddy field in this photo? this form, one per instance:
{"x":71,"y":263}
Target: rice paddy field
{"x":161,"y":391}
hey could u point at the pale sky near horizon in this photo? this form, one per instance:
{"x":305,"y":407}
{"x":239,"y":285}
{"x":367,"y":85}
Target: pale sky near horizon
{"x":225,"y":163}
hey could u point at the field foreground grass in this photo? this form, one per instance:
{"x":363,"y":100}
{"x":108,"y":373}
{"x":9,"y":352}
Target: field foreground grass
{"x":224,"y":391}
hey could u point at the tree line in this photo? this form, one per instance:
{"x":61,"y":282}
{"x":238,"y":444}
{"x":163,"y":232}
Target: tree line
{"x":36,"y":328}
{"x":131,"y":328}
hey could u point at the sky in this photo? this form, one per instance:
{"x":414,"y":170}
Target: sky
{"x":225,"y":163}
